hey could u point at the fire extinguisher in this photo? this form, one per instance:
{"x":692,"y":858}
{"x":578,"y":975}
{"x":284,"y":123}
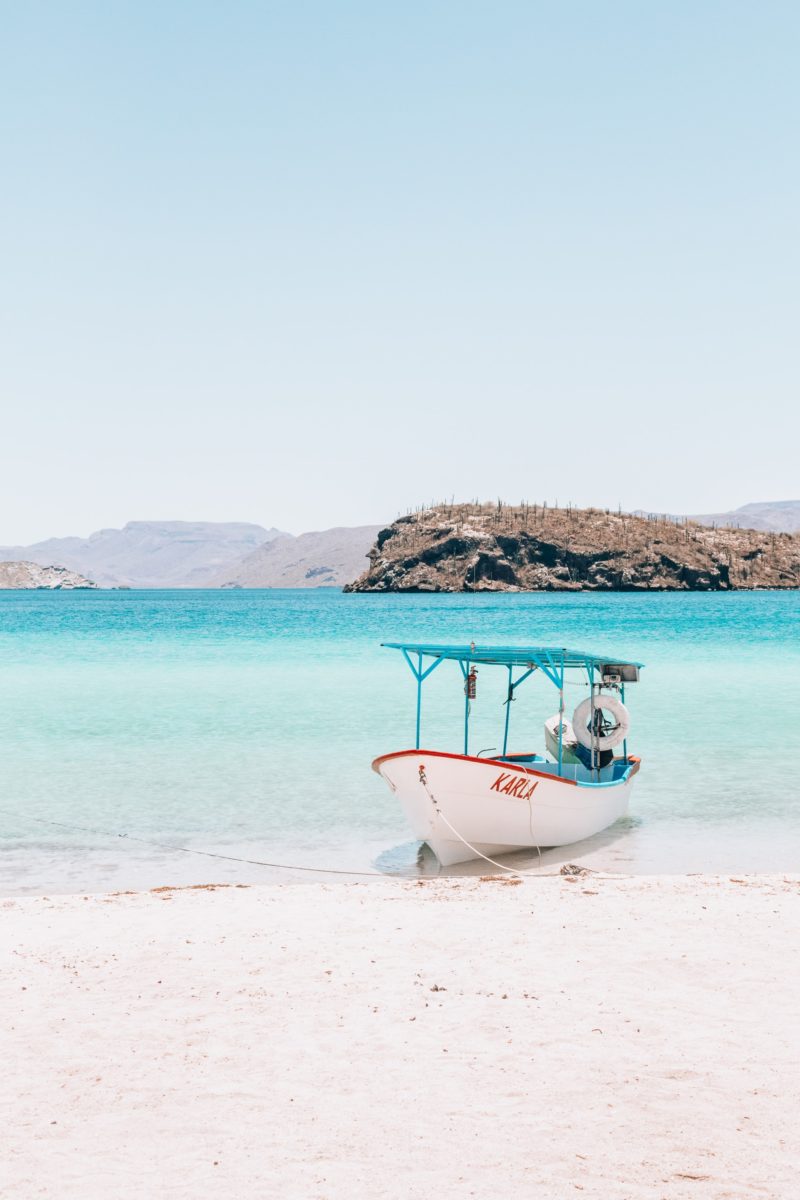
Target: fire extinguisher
{"x":471,"y":685}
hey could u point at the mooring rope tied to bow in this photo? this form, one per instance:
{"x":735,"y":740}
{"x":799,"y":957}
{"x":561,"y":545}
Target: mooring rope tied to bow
{"x":511,"y":870}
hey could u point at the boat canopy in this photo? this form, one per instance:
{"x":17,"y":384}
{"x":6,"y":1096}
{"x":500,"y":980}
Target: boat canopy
{"x":551,"y":660}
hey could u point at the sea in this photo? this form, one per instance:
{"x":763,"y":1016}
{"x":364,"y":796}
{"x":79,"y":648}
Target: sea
{"x":157,"y":738}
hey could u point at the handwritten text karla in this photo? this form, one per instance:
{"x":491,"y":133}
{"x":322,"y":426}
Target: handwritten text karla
{"x":511,"y":784}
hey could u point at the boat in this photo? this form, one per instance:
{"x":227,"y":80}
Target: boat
{"x":470,"y":806}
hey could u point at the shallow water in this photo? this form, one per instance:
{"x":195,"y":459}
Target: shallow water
{"x":244,"y":722}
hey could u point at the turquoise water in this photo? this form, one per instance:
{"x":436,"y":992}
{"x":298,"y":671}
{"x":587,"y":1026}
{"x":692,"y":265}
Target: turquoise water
{"x":245,"y":722}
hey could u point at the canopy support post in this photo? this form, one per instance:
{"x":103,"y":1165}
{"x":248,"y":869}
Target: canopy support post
{"x":625,"y":741}
{"x":465,"y":672}
{"x":512,"y":687}
{"x":594,"y":754}
{"x":508,"y":710}
{"x":420,"y":676}
{"x":561,"y":717}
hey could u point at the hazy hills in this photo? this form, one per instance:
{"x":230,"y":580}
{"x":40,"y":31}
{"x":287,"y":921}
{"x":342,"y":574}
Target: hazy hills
{"x":329,"y":558}
{"x":205,"y":554}
{"x":772,"y":516}
{"x":149,"y":553}
{"x":775,"y":516}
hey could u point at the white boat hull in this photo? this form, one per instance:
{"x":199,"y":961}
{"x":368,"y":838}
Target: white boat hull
{"x":459,"y":804}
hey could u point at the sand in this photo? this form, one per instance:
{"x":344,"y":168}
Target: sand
{"x":596,"y":1037}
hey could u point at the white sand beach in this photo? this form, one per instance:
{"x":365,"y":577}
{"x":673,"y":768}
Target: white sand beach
{"x":593,"y":1036}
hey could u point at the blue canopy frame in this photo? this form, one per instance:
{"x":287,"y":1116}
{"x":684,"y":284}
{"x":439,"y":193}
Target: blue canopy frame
{"x":553,"y":662}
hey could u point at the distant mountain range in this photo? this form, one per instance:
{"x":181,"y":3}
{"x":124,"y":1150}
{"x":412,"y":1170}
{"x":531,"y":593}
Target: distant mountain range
{"x":770,"y":516}
{"x":778,"y":516}
{"x":163,"y":554}
{"x":330,"y":558}
{"x":149,"y":553}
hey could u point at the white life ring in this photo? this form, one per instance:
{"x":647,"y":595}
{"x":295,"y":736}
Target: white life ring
{"x":582,"y":717}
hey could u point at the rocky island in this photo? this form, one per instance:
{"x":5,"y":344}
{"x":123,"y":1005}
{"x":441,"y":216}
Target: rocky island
{"x":499,"y":547}
{"x":31,"y":575}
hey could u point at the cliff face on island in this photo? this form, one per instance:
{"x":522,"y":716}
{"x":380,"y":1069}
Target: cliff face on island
{"x":473,"y":547}
{"x":32,"y":575}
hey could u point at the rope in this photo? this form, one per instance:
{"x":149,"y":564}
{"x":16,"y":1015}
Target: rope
{"x":253,"y":862}
{"x":511,"y":870}
{"x":256,"y":862}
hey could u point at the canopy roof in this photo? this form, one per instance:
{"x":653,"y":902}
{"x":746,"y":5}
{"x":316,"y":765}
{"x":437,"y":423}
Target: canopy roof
{"x":550,"y":659}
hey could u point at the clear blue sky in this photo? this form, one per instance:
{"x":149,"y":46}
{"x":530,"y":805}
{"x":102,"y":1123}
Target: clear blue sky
{"x":313,"y":263}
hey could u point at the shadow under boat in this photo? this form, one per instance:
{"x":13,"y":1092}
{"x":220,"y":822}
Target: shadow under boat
{"x":416,"y":860}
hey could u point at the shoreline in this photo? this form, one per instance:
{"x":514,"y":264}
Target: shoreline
{"x":321,"y":878}
{"x":629,"y":849}
{"x":618,"y":1037}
